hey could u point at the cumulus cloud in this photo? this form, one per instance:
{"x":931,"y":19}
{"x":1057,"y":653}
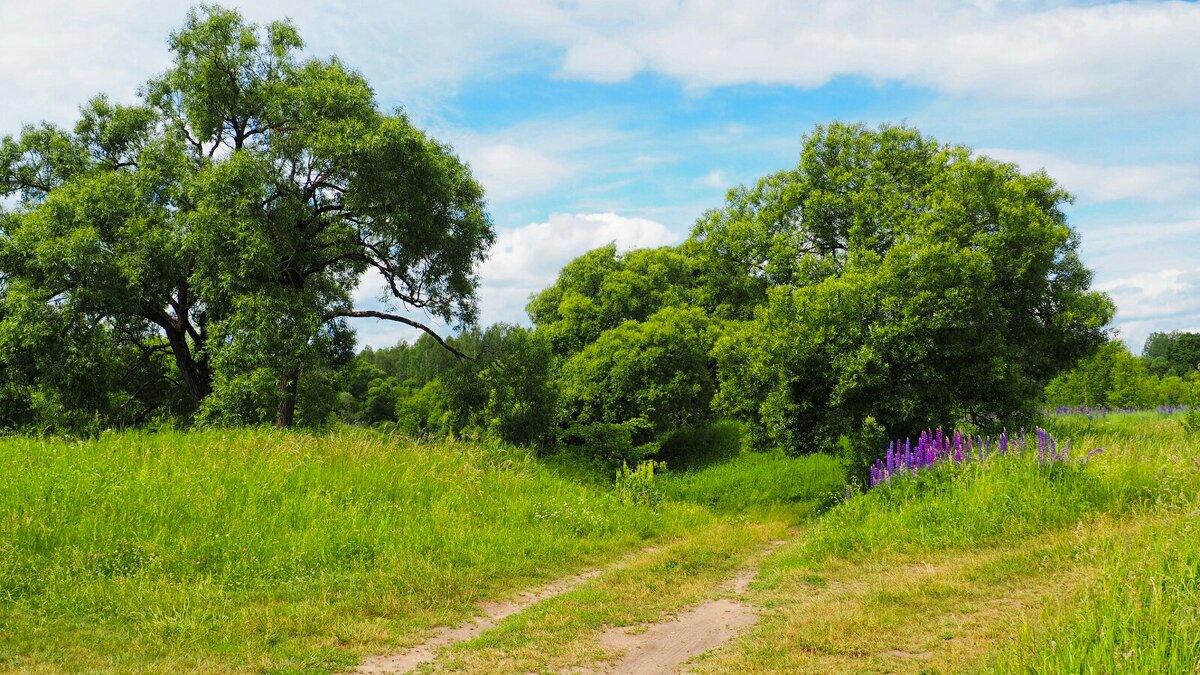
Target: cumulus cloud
{"x":1126,"y":54}
{"x":526,"y":259}
{"x":1167,"y":299}
{"x":1094,"y":182}
{"x":55,"y":53}
{"x":601,"y":61}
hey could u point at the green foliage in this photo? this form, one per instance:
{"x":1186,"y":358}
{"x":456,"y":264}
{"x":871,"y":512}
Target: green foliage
{"x":861,"y":449}
{"x":425,"y":412}
{"x":1175,"y":353}
{"x":1190,"y":421}
{"x":896,"y":278}
{"x":600,"y":290}
{"x":1114,"y":377}
{"x":509,"y":390}
{"x":609,"y":443}
{"x":636,"y":486}
{"x":657,"y":370}
{"x":226,"y":218}
{"x":699,"y":446}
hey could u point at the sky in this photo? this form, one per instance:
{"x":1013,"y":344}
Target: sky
{"x":625,"y":120}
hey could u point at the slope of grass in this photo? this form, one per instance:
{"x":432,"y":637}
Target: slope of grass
{"x":261,"y":550}
{"x":937,"y":572}
{"x":760,"y":480}
{"x":1141,"y":614}
{"x":1006,"y":498}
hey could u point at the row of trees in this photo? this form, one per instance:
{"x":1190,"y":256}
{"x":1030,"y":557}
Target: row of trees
{"x":194,"y":255}
{"x":888,"y":282}
{"x":1166,"y":374}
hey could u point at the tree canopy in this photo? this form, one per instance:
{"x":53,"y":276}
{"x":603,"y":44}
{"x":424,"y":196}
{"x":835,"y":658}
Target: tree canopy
{"x":225,"y":219}
{"x":893,"y":277}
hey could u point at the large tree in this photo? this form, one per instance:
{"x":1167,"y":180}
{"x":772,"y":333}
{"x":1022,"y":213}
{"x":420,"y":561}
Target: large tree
{"x":229,"y":215}
{"x":893,"y":277}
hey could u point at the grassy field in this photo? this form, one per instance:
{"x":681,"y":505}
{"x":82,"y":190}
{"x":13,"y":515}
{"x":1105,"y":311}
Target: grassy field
{"x":265,"y":551}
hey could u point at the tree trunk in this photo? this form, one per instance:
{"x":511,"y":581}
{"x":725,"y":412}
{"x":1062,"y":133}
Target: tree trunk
{"x":289,"y":381}
{"x":195,"y":375}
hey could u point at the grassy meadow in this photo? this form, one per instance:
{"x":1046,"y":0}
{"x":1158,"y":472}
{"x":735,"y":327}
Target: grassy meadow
{"x":274,"y":551}
{"x":266,"y":550}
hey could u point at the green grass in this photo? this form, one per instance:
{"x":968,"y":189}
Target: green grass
{"x":269,"y":551}
{"x":1140,"y":615}
{"x":760,"y":480}
{"x":1006,"y":498}
{"x":932,"y":572}
{"x":266,"y":550}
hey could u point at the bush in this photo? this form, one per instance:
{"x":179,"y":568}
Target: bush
{"x":696,"y":447}
{"x":610,"y":443}
{"x":636,"y":486}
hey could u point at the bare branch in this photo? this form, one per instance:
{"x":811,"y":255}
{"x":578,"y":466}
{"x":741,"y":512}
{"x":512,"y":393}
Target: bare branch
{"x":371,"y":314}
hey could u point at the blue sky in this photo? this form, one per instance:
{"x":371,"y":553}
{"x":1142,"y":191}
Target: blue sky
{"x":589,"y":122}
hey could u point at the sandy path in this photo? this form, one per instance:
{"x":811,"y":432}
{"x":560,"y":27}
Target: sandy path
{"x":663,"y":647}
{"x":492,"y":614}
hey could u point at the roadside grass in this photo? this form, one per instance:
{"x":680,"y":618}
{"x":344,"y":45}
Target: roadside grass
{"x":932,"y":572}
{"x":936,"y":612}
{"x":1005,"y":498}
{"x":1141,"y":614}
{"x":562,"y":634}
{"x":261,"y":550}
{"x":762,"y":481}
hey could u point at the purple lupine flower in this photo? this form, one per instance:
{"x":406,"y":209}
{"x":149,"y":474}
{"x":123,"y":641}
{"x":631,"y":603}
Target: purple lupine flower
{"x":1004,"y":441}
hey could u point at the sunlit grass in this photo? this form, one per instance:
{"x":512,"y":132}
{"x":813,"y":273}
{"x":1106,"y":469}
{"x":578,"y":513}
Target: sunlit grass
{"x":244,"y":550}
{"x":760,"y":480}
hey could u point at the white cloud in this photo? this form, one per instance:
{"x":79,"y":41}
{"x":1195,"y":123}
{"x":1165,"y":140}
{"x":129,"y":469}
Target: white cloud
{"x":511,"y":172}
{"x":601,"y":61}
{"x":713,"y":179}
{"x":1155,"y":301}
{"x":1094,"y":182}
{"x":527,"y":259}
{"x":1129,"y":55}
{"x":1126,"y":54}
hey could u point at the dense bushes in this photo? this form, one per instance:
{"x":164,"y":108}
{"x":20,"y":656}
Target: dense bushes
{"x":1115,"y":378}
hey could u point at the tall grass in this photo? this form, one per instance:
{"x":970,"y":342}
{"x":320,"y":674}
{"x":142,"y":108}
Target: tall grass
{"x":259,"y":549}
{"x":760,"y":480}
{"x":1142,"y":615}
{"x":1004,"y":498}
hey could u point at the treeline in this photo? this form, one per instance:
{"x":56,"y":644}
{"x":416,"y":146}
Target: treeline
{"x":1166,"y":374}
{"x":192,"y":258}
{"x":887,"y":283}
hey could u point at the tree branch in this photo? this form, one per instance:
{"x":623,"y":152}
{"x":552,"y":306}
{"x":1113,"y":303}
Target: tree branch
{"x":371,"y":314}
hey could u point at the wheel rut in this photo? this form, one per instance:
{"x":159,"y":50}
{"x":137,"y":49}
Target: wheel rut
{"x":645,"y":648}
{"x":491,"y":614}
{"x":663,"y":647}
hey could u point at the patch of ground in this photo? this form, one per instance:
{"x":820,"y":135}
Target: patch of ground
{"x":492,"y":614}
